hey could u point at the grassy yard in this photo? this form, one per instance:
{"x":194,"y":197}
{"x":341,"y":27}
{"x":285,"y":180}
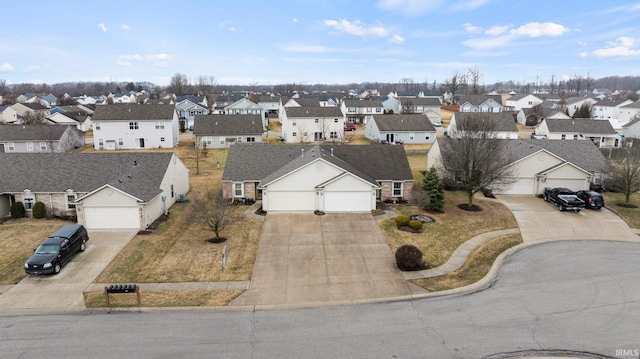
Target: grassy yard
{"x":190,"y":298}
{"x":629,"y":215}
{"x":19,"y":239}
{"x":450,"y":229}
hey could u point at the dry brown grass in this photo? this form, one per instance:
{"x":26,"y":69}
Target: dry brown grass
{"x":19,"y":239}
{"x":190,"y":298}
{"x":475,"y":267}
{"x":275,"y":125}
{"x":629,"y":215}
{"x":450,"y":229}
{"x":417,"y":163}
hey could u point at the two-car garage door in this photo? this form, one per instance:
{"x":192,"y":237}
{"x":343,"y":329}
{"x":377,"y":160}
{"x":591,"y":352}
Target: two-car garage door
{"x":111,"y":217}
{"x":334,"y":201}
{"x":347,"y":201}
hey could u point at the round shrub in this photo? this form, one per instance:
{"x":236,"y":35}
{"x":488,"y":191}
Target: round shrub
{"x":402,"y":221}
{"x":17,"y":210}
{"x":415,"y":225}
{"x":39,"y":210}
{"x":409,"y":258}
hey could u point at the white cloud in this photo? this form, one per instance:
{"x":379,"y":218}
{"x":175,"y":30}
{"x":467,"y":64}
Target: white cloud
{"x":125,"y":27}
{"x":304,"y":48}
{"x":623,"y":46}
{"x":356,"y":28}
{"x":584,"y":54}
{"x":233,"y":29}
{"x":32,"y":68}
{"x":157,"y":57}
{"x":409,"y":7}
{"x":497,"y":30}
{"x":486,"y":43}
{"x":7,"y":67}
{"x":129,"y":57}
{"x":102,"y":27}
{"x":295,"y":19}
{"x":396,"y":39}
{"x":470,"y":28}
{"x":468,"y":5}
{"x":536,"y":29}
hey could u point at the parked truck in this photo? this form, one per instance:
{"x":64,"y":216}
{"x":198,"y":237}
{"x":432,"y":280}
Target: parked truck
{"x":564,"y":198}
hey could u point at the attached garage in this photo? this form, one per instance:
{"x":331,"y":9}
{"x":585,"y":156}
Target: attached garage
{"x":347,"y":201}
{"x":111,"y":217}
{"x":521,"y":186}
{"x":289,"y":200}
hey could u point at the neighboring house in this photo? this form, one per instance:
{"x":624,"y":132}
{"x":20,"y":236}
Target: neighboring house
{"x":405,"y":128}
{"x":505,"y":124}
{"x":324,"y":99}
{"x":24,"y":109}
{"x":271,"y":104}
{"x":135,"y":127}
{"x":221,"y":131}
{"x":480,"y":103}
{"x":391,"y":105}
{"x":572,"y":104}
{"x":126,"y":190}
{"x":8,"y":115}
{"x":302,"y":102}
{"x":533,"y":116}
{"x":518,"y":102}
{"x":39,"y":138}
{"x":224,"y":100}
{"x":631,"y":129}
{"x":123,"y":98}
{"x":361,"y":111}
{"x":599,"y":132}
{"x":188,"y":110}
{"x":245,"y":107}
{"x":46,"y":100}
{"x":312,"y":124}
{"x":545,"y":163}
{"x":609,"y":108}
{"x":73,"y":116}
{"x":200,"y":100}
{"x":419,"y":105}
{"x":318,"y":177}
{"x":629,"y":112}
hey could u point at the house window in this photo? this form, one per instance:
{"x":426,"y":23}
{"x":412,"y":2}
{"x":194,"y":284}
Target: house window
{"x":293,"y":134}
{"x":333,"y":135}
{"x":222,"y":140}
{"x":100,"y":142}
{"x":305,"y":134}
{"x":159,"y":125}
{"x":293,"y":122}
{"x":238,"y":139}
{"x":161,"y":139}
{"x":29,"y":199}
{"x":71,"y":198}
{"x":139,"y":142}
{"x":397,"y":189}
{"x":120,"y":141}
{"x":96,"y":125}
{"x":597,"y":177}
{"x":351,"y":110}
{"x":11,"y":147}
{"x":238,"y":189}
{"x":172,"y":193}
{"x":575,"y":137}
{"x":378,"y":110}
{"x":317,"y":121}
{"x":43,"y":146}
{"x":133,"y":125}
{"x":369,"y":110}
{"x":335,"y":120}
{"x":207,"y":140}
{"x":29,"y":146}
{"x":563,"y":137}
{"x":412,"y":135}
{"x":251,"y":139}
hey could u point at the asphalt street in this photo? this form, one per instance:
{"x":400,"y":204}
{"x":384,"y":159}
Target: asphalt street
{"x":571,"y":295}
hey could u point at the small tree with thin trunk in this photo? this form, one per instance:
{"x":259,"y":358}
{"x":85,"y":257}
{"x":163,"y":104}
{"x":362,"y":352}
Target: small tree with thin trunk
{"x":626,"y":170}
{"x":209,"y":207}
{"x":475,"y":159}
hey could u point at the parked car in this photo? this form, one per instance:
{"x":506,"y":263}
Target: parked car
{"x":349,"y":127}
{"x":437,"y":123}
{"x":564,"y":198}
{"x":58,"y":249}
{"x":592,"y":199}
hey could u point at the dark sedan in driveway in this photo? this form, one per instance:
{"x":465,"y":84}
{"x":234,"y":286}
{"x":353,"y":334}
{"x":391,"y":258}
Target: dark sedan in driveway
{"x":592,"y":199}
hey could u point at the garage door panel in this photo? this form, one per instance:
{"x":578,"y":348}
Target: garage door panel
{"x":522,"y":186}
{"x":347,"y":201}
{"x":111,"y":217}
{"x":291,"y":201}
{"x":572,"y":184}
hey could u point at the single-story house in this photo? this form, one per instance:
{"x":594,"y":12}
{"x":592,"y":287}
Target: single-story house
{"x":532,"y":116}
{"x":329,"y":178}
{"x":221,"y":131}
{"x":631,"y":129}
{"x":124,"y":190}
{"x":505,"y":124}
{"x":545,"y":163}
{"x":407,"y":128}
{"x":599,"y":132}
{"x":39,"y":138}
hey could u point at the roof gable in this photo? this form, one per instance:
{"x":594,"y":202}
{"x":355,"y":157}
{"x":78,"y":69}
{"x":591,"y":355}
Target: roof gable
{"x":580,"y":126}
{"x":134,"y":112}
{"x":404,"y":123}
{"x":313,"y":112}
{"x":31,"y":133}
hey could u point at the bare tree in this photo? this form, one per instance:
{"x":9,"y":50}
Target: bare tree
{"x":209,"y":207}
{"x":553,"y":83}
{"x":205,"y":84}
{"x":33,"y":118}
{"x":407,"y":106}
{"x":454,"y":85}
{"x":626,"y":169}
{"x":475,"y":77}
{"x":474,"y":158}
{"x":178,"y":84}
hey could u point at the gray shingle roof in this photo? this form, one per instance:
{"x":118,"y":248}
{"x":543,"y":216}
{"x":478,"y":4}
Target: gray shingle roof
{"x":133,"y":112}
{"x":255,"y":162}
{"x":632,"y":105}
{"x":363,"y":103}
{"x":307,"y":102}
{"x":216,"y":125}
{"x":580,"y":125}
{"x":31,"y":133}
{"x":403,"y":123}
{"x":575,"y":99}
{"x":631,"y":123}
{"x":504,"y":120}
{"x":313,"y":112}
{"x":421,"y":101}
{"x":85,"y":172}
{"x":478,"y":100}
{"x":609,"y":102}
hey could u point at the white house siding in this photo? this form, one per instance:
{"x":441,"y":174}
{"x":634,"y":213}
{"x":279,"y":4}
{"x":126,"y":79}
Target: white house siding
{"x":348,"y":194}
{"x":566,"y":176}
{"x":628,"y":113}
{"x":308,"y":126}
{"x":525,"y":102}
{"x":113,"y":130}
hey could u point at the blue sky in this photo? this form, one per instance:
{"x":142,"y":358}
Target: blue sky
{"x":317,"y":41}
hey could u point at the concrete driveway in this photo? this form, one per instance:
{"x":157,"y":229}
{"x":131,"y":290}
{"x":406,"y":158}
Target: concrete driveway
{"x":64,"y":290}
{"x":539,"y":220}
{"x":305,"y":260}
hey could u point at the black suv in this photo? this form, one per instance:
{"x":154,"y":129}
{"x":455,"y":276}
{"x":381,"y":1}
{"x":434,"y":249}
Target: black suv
{"x":57,"y":250}
{"x":591,"y":199}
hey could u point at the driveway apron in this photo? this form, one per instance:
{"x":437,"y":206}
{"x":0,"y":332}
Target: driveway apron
{"x":305,"y":259}
{"x":64,"y":290}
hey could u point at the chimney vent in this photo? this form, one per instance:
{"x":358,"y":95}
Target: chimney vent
{"x":135,"y":163}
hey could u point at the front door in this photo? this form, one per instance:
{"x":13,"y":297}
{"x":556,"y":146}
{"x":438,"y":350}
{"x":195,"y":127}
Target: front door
{"x":1,"y":147}
{"x":391,"y":137}
{"x":317,"y":136}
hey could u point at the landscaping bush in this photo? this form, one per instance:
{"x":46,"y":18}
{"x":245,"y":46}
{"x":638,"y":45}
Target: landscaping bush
{"x":415,"y":225}
{"x":409,"y":258}
{"x":402,"y":221}
{"x":17,"y":210}
{"x":39,"y":210}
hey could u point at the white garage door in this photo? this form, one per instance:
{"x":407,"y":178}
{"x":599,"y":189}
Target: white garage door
{"x":522,"y":186}
{"x":572,"y":184}
{"x":291,"y":201}
{"x":347,"y":201}
{"x":111,"y":217}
